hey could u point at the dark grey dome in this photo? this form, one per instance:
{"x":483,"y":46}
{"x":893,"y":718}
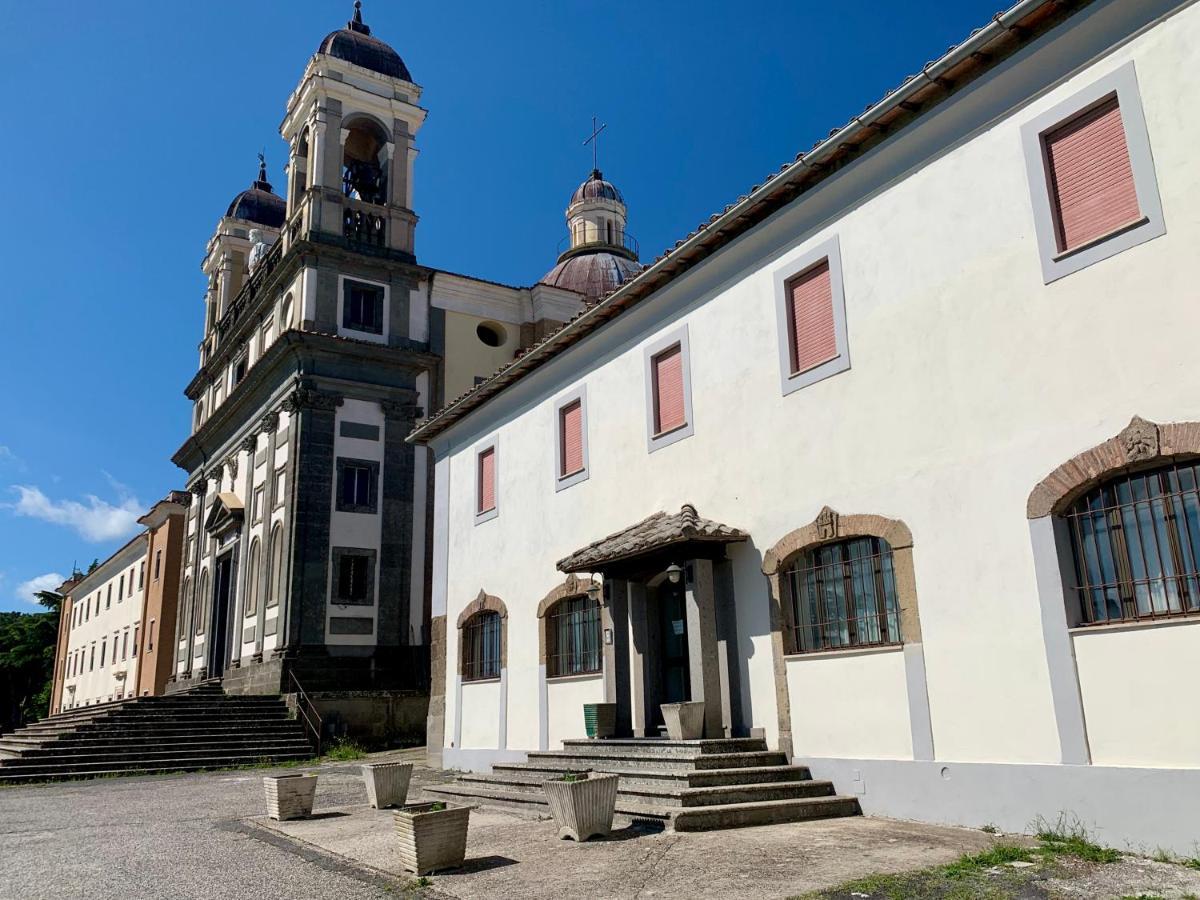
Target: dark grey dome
{"x":355,"y":45}
{"x":259,"y":204}
{"x":592,"y":274}
{"x":596,"y":188}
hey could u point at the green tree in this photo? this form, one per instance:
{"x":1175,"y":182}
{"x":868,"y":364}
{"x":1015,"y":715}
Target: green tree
{"x":27,"y":642}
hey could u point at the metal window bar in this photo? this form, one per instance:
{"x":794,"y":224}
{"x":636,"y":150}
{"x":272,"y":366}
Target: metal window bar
{"x":481,"y":647}
{"x":1135,"y":543}
{"x":843,"y":594}
{"x":573,"y":637}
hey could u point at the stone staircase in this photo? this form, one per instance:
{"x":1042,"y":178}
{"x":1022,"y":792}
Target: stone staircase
{"x":687,"y":785}
{"x":198,"y":729}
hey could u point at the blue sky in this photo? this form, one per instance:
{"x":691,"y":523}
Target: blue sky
{"x":132,"y":126}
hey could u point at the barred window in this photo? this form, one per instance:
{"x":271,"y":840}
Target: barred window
{"x":481,"y":646}
{"x":573,"y":637}
{"x":843,"y":594}
{"x":1135,"y":542}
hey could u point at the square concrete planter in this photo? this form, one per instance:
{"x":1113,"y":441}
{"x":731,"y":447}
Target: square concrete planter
{"x":387,"y":783}
{"x":600,"y":719}
{"x":685,"y":721}
{"x":432,"y":839}
{"x":583,"y":808}
{"x":290,"y":796}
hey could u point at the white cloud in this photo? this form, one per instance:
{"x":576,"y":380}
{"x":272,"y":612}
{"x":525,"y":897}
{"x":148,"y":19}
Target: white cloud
{"x":48,"y":582}
{"x":95,"y":520}
{"x":10,"y":460}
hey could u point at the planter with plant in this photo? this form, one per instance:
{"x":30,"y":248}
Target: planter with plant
{"x":684,"y":721}
{"x":387,"y":783}
{"x":290,"y":796}
{"x":433,"y":836}
{"x":582,"y":803}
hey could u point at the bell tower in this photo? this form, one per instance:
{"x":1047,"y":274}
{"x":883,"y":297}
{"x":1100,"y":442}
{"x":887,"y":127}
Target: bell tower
{"x":351,"y":126}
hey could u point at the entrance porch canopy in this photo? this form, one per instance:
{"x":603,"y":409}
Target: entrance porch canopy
{"x":684,"y":534}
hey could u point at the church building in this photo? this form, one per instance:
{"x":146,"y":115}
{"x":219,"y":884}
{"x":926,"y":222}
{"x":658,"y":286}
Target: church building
{"x":308,"y":552}
{"x":893,"y":463}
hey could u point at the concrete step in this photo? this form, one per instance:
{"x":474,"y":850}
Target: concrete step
{"x":767,"y":812}
{"x":147,"y":768}
{"x":688,"y":778}
{"x":662,"y":748}
{"x":633,"y":759}
{"x":159,"y":754}
{"x":81,"y":751}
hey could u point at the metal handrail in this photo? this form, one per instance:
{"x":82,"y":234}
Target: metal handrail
{"x":315,"y":728}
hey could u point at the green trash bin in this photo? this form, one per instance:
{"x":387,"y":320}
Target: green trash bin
{"x":600,"y":719}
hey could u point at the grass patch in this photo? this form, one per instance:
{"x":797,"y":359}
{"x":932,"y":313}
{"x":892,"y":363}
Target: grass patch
{"x":1193,"y":863}
{"x":974,"y":863}
{"x":989,"y":828}
{"x":344,"y":750}
{"x":1070,"y":838}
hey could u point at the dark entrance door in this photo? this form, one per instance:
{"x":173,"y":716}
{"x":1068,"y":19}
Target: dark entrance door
{"x":675,"y":681}
{"x":218,"y":651}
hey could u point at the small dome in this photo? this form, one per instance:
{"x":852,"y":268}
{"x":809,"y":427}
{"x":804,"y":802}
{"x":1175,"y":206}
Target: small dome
{"x":596,"y":188}
{"x":259,"y":204}
{"x":355,"y":45}
{"x":592,"y":274}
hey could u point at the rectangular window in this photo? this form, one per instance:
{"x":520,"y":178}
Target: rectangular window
{"x":92,"y":659}
{"x":238,"y":372}
{"x":135,"y":644}
{"x":280,"y":480}
{"x":485,"y":494}
{"x":157,"y":564}
{"x":150,"y":637}
{"x":103,"y":647}
{"x":1091,"y":175}
{"x":668,"y":390}
{"x":125,"y":645}
{"x":256,"y":504}
{"x":570,"y":419}
{"x":362,"y":307}
{"x":121,"y":589}
{"x":354,"y":571}
{"x":141,"y":575}
{"x":131,"y":582}
{"x":108,"y":598}
{"x":357,"y":485}
{"x":812,"y":333}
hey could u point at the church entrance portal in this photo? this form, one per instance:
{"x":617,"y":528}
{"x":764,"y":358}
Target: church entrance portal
{"x":674,"y":678}
{"x":218,"y":651}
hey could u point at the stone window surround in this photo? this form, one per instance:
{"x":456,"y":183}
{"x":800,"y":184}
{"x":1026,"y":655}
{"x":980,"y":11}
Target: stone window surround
{"x":562,"y":482}
{"x":492,"y":443}
{"x":484,"y":602}
{"x":336,"y":555}
{"x":782,"y":277}
{"x":573,"y":586}
{"x":380,"y":336}
{"x":372,"y":507}
{"x":1055,"y":263}
{"x":831,"y":526}
{"x":655,"y":347}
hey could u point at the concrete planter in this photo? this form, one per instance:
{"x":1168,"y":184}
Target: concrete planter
{"x":685,"y":721}
{"x":583,"y":808}
{"x":600,"y":719}
{"x":432,"y":839}
{"x":387,"y":783}
{"x":290,"y":796}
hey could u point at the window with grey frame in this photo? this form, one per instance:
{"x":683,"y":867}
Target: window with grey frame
{"x":358,"y":485}
{"x":480,"y":646}
{"x":841,"y":595}
{"x":362,"y":307}
{"x":1135,"y":547}
{"x":573,"y":637}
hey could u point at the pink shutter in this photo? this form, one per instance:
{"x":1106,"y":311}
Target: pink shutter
{"x":814,"y":337}
{"x":487,"y":480}
{"x":572,"y":438}
{"x":1091,"y":179}
{"x":668,"y":390}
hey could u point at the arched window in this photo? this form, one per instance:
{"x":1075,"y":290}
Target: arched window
{"x":842,"y":594}
{"x":275,"y":587}
{"x":184,"y":625}
{"x":285,"y":314}
{"x":481,"y":646}
{"x":202,"y":599}
{"x":608,"y":229}
{"x":252,"y":580}
{"x":364,"y":159}
{"x":1135,"y":544}
{"x":573,"y":637}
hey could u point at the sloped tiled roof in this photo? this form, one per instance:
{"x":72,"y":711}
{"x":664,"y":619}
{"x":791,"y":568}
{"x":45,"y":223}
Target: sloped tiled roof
{"x":653,"y":533}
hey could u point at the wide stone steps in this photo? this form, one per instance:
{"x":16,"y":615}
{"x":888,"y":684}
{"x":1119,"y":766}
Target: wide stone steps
{"x":690,"y":785}
{"x":188,"y":731}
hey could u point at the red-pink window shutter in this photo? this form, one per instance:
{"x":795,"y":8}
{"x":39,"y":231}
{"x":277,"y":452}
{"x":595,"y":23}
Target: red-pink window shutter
{"x":1091,"y":178}
{"x":668,"y":390}
{"x":814,"y":335}
{"x":487,"y":480}
{"x":572,"y":438}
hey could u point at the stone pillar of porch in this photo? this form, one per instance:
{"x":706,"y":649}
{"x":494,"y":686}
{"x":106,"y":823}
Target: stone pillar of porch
{"x":639,"y":652}
{"x":615,"y":623}
{"x":703,"y":662}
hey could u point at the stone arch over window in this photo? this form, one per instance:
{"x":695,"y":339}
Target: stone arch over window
{"x":830,"y":527}
{"x":474,"y":623}
{"x":582,"y":620}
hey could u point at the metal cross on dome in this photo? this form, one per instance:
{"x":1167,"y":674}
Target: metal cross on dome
{"x":594,"y":140}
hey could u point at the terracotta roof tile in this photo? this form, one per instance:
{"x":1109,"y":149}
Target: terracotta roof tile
{"x":652,"y":533}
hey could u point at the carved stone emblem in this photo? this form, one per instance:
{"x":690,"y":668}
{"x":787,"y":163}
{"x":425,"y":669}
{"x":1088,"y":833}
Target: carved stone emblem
{"x":306,"y":397}
{"x":481,"y":597}
{"x":232,"y":465}
{"x":250,"y":443}
{"x":572,"y":584}
{"x":827,"y":524}
{"x":270,"y":422}
{"x":200,"y":487}
{"x":1139,"y":440}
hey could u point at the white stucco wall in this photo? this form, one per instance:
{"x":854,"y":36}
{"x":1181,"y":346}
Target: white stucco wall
{"x":481,"y":715}
{"x":565,"y":698}
{"x":971,"y":379}
{"x":851,"y":704}
{"x":1137,"y":685}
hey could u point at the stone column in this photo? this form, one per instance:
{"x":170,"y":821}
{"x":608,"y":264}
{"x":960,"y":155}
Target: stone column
{"x":615,"y":622}
{"x":269,"y":425}
{"x":198,"y":491}
{"x":244,"y":576}
{"x":639,"y":641}
{"x":702,"y":644}
{"x":291,"y":405}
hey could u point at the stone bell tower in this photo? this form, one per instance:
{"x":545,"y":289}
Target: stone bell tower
{"x":350,"y":126}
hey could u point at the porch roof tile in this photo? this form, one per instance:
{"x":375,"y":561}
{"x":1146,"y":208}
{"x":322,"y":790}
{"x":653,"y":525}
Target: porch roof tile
{"x":652,"y":533}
